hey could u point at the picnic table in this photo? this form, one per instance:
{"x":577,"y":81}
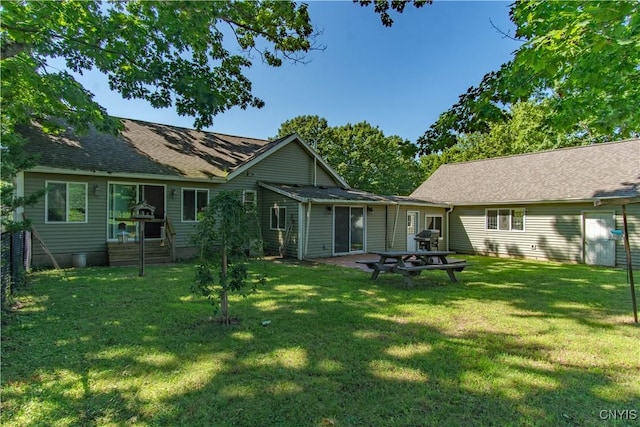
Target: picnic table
{"x":412,"y":263}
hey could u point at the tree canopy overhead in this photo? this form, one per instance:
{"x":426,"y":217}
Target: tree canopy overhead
{"x":167,"y":53}
{"x":582,"y":58}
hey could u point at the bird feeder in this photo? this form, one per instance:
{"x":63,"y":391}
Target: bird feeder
{"x":142,"y":211}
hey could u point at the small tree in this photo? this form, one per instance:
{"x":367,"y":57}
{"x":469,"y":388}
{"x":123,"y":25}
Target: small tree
{"x":227,"y":234}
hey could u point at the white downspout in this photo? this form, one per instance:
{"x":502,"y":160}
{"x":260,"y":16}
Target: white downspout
{"x":300,"y":230}
{"x":395,"y":226}
{"x":308,"y":225}
{"x":315,"y":162}
{"x":448,"y":228}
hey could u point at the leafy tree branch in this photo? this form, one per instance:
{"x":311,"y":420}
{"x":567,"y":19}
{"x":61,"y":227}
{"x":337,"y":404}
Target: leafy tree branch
{"x":580,"y":61}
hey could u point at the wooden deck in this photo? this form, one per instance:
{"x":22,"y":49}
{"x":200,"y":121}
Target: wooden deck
{"x":121,"y":254}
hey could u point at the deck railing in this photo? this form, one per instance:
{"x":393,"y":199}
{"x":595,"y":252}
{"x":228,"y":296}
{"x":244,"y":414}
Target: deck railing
{"x":169,"y":236}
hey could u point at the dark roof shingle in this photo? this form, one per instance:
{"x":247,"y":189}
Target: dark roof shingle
{"x":147,"y":148}
{"x":577,"y":173}
{"x":323,"y":194}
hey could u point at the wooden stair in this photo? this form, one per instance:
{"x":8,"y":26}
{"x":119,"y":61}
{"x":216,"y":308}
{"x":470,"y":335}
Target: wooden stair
{"x":121,"y":254}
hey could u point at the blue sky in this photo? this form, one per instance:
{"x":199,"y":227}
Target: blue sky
{"x":399,"y":79}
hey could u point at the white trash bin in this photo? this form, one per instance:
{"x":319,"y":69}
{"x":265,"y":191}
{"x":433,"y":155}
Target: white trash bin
{"x":79,"y":260}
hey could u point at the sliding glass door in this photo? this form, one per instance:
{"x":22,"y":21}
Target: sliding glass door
{"x":122,"y":197}
{"x":348,"y":229}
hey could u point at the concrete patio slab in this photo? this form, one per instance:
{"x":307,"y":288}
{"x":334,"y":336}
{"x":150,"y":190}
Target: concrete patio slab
{"x":348,"y":260}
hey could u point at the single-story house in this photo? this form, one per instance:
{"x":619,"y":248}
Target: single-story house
{"x":306,"y":209}
{"x":543,"y":205}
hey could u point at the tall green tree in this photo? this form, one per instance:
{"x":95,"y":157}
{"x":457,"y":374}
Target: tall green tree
{"x":187,"y":55}
{"x":171,"y":54}
{"x":313,"y":129}
{"x":525,"y":131}
{"x":361,"y":154}
{"x":582,"y":58}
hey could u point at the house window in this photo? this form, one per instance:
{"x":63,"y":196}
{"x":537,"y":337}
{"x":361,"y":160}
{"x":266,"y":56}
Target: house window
{"x":66,"y":202}
{"x":278,"y":218}
{"x":433,"y":223}
{"x":193,"y":202}
{"x":505,"y":219}
{"x":249,"y":197}
{"x":517,"y":219}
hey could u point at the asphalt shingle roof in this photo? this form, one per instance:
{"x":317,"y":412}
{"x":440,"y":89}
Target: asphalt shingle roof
{"x":577,"y":173}
{"x":337,"y":194}
{"x":147,"y":148}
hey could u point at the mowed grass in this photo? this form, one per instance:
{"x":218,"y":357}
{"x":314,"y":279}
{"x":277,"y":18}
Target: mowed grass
{"x":512,"y":343}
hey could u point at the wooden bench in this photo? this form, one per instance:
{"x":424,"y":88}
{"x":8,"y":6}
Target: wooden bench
{"x":414,"y":270}
{"x":437,"y":261}
{"x":371,"y":264}
{"x":377,"y":266}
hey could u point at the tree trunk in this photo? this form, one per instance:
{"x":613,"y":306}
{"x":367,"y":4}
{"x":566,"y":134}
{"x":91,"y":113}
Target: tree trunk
{"x":224,"y":299}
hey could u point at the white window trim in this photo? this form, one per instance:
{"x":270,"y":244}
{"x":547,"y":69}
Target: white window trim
{"x":66,"y":221}
{"x":195,"y":200}
{"x":284,"y":226}
{"x":510,"y":230}
{"x":254,"y":202}
{"x":364,"y":228}
{"x":434,"y":216}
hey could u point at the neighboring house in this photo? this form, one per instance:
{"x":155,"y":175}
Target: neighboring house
{"x":306,"y":209}
{"x":541,"y":205}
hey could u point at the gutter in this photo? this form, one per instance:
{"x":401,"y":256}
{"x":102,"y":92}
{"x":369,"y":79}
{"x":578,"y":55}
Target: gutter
{"x":536,"y":202}
{"x":352,"y":201}
{"x":115,"y":175}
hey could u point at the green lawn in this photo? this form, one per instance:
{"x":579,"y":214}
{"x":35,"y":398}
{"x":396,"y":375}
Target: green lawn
{"x":512,"y":343}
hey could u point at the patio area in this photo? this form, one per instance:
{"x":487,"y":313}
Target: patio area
{"x":348,"y":260}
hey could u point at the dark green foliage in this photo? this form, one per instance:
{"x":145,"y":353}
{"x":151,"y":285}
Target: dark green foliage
{"x":168,"y":53}
{"x":226,"y":234}
{"x":579,"y":60}
{"x":171,"y":54}
{"x":526,"y":131}
{"x":362,"y":154}
{"x":382,"y":7}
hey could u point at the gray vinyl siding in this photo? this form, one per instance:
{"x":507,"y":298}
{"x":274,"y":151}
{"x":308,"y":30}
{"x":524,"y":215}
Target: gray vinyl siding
{"x":396,"y":228}
{"x":552,"y":232}
{"x":320,"y":231}
{"x":376,"y":228}
{"x":184,"y":230}
{"x":65,"y":239}
{"x":291,"y":164}
{"x":379,"y":221}
{"x":398,"y":241}
{"x":274,"y":238}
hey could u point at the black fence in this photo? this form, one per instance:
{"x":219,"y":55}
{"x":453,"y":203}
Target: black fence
{"x":15,"y":251}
